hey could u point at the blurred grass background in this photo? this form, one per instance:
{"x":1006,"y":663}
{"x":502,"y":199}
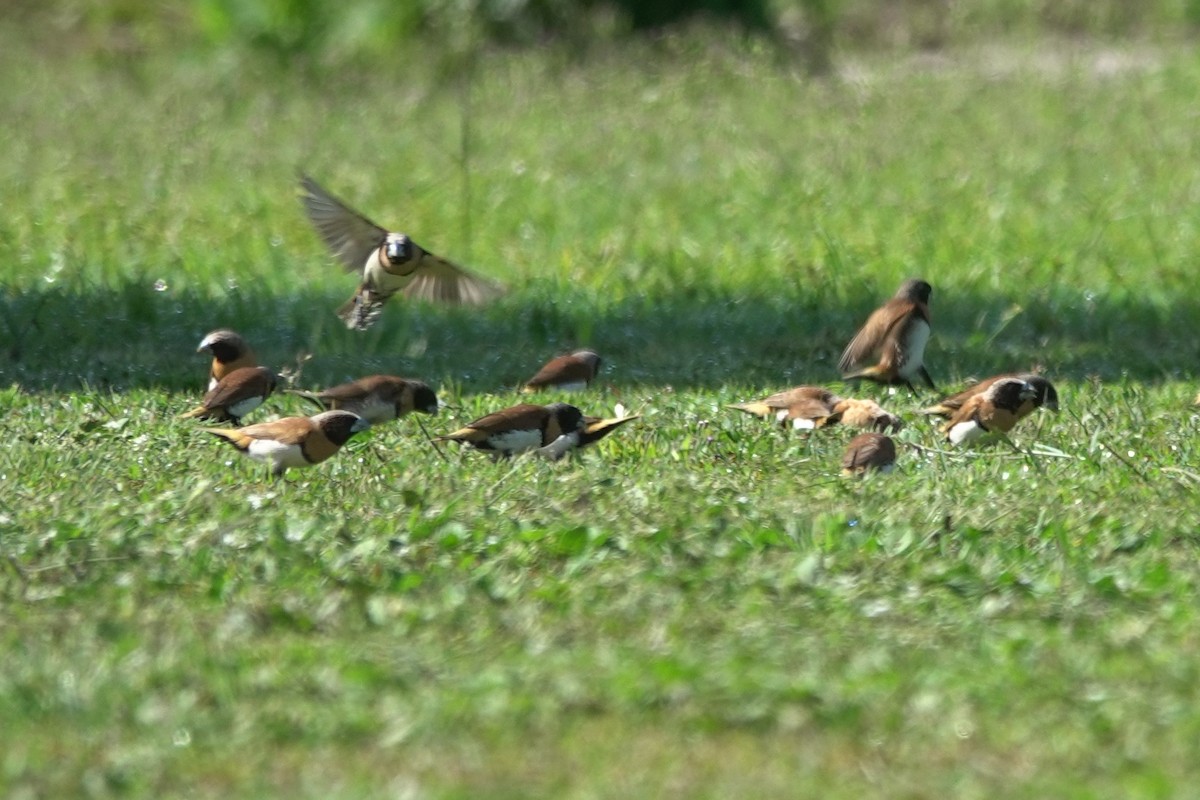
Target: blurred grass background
{"x":376,"y":29}
{"x":674,"y":182}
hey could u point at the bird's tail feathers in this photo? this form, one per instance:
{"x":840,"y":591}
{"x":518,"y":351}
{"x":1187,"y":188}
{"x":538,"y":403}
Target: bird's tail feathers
{"x":362,"y":310}
{"x":596,"y":429}
{"x":461,"y":435}
{"x":874,"y":372}
{"x":757,"y":409}
{"x":311,"y":397}
{"x":235,"y":437}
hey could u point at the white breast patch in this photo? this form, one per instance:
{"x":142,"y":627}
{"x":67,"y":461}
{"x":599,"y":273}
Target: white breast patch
{"x":914,"y":350}
{"x":516,"y":441}
{"x":556,"y":449}
{"x":243,"y":407}
{"x":382,"y":281}
{"x":287,"y":455}
{"x":799,"y":423}
{"x":376,"y":411}
{"x":967,"y":432}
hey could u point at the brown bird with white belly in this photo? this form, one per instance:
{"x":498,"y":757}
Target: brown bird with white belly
{"x":1046,"y":397}
{"x":811,"y":407}
{"x":569,"y":373}
{"x":235,"y":395}
{"x":522,"y":428}
{"x":867,"y":452}
{"x":376,"y":398}
{"x":890,"y":346}
{"x":993,"y":411}
{"x":229,"y":351}
{"x":389,"y":261}
{"x":294,"y":441}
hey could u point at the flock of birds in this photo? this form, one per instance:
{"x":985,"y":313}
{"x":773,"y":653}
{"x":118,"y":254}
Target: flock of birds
{"x":889,"y":349}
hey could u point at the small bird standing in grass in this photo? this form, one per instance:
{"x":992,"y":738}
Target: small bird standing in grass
{"x":801,"y":407}
{"x":294,"y":441}
{"x":235,"y":395}
{"x":550,"y":431}
{"x":376,"y":398}
{"x":229,"y":351}
{"x":521,"y":428}
{"x":569,"y":373}
{"x":869,"y":451}
{"x":811,"y":407}
{"x":993,"y":411}
{"x":1046,"y":397}
{"x":892,"y":341}
{"x":390,"y":262}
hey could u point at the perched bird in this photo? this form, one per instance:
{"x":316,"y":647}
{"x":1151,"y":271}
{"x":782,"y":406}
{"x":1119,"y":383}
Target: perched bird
{"x":522,"y":428}
{"x":810,"y":407}
{"x":229,"y":351}
{"x":294,"y":441}
{"x":892,"y":341}
{"x":994,"y":410}
{"x":869,"y":451}
{"x":390,"y":262}
{"x":570,"y":373}
{"x":376,"y":398}
{"x":1046,"y":397}
{"x":235,"y":395}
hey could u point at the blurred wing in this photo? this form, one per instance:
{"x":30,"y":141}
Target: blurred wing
{"x":349,"y":235}
{"x":874,"y":333}
{"x":437,"y":280}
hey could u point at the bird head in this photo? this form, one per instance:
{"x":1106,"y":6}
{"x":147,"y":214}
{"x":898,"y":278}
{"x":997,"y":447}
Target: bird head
{"x":397,"y":249}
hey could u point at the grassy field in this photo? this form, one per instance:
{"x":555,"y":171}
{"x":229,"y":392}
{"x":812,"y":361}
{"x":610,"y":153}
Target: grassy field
{"x":698,"y":607}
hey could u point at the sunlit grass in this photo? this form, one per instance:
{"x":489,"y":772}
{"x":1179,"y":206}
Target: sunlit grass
{"x":699,"y":605}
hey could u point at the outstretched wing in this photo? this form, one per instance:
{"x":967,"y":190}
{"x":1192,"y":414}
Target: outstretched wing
{"x":349,"y":235}
{"x":437,"y":280}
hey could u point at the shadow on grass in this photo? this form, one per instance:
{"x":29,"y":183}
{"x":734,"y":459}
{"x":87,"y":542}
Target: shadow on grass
{"x":133,"y":336}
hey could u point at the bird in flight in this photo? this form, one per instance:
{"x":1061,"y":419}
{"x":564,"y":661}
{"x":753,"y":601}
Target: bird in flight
{"x":389,"y":261}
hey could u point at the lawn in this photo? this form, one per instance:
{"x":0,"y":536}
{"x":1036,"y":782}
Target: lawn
{"x":699,"y":606}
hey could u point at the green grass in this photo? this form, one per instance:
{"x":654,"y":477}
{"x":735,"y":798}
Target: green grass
{"x":699,"y":606}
